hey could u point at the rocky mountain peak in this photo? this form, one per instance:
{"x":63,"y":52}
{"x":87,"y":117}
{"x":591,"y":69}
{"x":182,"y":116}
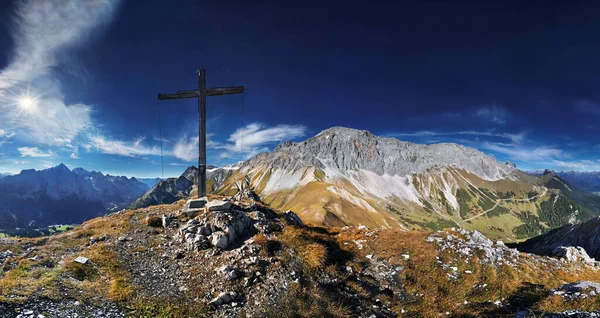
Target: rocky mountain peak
{"x":548,"y":171}
{"x":61,"y":168}
{"x":347,"y":149}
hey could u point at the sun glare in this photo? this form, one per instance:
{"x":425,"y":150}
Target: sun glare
{"x":27,"y":103}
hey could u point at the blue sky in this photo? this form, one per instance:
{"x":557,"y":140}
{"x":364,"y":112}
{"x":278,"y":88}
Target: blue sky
{"x":517,"y":80}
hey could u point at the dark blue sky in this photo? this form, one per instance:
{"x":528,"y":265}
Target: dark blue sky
{"x":517,"y":80}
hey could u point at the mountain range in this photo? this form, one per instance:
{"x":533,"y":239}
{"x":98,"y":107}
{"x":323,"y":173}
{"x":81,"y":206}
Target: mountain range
{"x":174,"y":189}
{"x":344,"y":176}
{"x":61,"y":196}
{"x":585,"y":180}
{"x":339,"y":177}
{"x":150,"y":182}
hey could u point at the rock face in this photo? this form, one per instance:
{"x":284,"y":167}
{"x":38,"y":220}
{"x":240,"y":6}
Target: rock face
{"x":573,"y":255}
{"x":348,"y":149}
{"x":585,"y":235}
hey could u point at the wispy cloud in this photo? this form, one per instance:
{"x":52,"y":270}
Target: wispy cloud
{"x":246,"y":141}
{"x":186,"y":149}
{"x":518,"y":137}
{"x":122,"y":148}
{"x":495,"y":114}
{"x":577,"y":165}
{"x":588,"y":106}
{"x":5,"y":136}
{"x":34,"y":152}
{"x":44,"y":32}
{"x":257,"y":135}
{"x":525,"y":153}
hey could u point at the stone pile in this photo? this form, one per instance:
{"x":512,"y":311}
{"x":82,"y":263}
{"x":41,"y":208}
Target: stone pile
{"x":220,"y":224}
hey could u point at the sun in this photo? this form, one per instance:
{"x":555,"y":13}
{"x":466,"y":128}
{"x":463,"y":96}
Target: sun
{"x":27,"y":103}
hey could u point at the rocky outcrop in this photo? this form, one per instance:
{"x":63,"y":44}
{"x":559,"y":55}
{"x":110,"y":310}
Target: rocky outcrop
{"x":573,"y":255}
{"x":468,"y":244}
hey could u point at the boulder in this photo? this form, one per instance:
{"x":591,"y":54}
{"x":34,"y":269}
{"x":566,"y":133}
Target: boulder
{"x":219,"y":239}
{"x":169,"y":221}
{"x":293,"y":218}
{"x":232,"y":223}
{"x":478,"y":238}
{"x":196,"y":242}
{"x":223,"y":298}
{"x":204,"y":230}
{"x":581,"y":286}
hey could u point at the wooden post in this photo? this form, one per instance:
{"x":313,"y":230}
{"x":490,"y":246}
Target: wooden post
{"x":202,"y":133}
{"x":201,"y":94}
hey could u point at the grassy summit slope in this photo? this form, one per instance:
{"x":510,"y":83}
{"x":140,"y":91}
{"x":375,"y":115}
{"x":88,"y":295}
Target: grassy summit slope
{"x":142,"y":271}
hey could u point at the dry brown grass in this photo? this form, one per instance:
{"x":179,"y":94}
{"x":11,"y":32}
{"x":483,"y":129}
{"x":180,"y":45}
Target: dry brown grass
{"x":153,"y":220}
{"x":313,"y":256}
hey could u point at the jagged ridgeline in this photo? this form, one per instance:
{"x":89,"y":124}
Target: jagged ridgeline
{"x":345,"y":176}
{"x":60,"y":196}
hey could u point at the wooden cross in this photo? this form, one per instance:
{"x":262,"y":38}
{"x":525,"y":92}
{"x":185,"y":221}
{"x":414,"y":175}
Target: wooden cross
{"x":201,"y":94}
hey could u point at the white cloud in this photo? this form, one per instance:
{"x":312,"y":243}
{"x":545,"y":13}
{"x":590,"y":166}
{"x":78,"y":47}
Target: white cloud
{"x":256,"y":135}
{"x":122,"y":148}
{"x":5,"y":136}
{"x":44,"y":31}
{"x":525,"y":153}
{"x":186,"y":149}
{"x":495,"y":114}
{"x":578,"y":165}
{"x":33,"y":152}
{"x":427,"y":133}
{"x":246,"y":141}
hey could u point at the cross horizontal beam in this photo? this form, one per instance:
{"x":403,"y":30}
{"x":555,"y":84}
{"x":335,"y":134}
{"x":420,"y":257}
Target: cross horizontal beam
{"x":194,"y":93}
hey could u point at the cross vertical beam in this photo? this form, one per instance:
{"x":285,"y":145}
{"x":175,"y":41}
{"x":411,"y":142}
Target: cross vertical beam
{"x":201,"y":94}
{"x":202,"y":133}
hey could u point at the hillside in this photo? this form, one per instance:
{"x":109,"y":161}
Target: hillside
{"x":250,"y":260}
{"x":345,"y":176}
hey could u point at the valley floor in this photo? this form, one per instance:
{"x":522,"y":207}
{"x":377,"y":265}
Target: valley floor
{"x":138,"y":263}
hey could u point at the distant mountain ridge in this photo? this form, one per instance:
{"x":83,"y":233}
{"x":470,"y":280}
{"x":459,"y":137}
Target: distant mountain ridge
{"x":174,"y":189}
{"x":60,"y":196}
{"x":585,"y":180}
{"x":150,"y":182}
